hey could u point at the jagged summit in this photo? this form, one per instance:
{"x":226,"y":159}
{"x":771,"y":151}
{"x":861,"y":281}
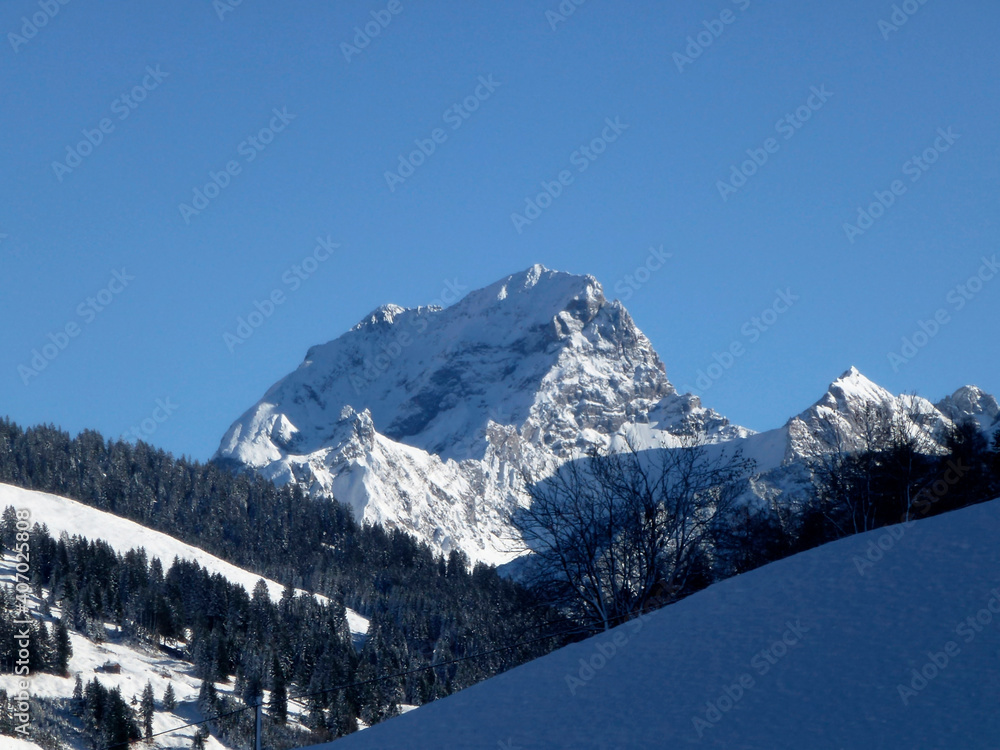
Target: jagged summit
{"x":533,"y":369}
{"x":381,"y":315}
{"x":970,"y":402}
{"x":850,"y":387}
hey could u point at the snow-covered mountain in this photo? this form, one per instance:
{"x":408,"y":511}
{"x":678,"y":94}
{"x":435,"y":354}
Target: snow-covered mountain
{"x":424,"y":418}
{"x":819,"y":650}
{"x":856,"y":413}
{"x":969,"y":402}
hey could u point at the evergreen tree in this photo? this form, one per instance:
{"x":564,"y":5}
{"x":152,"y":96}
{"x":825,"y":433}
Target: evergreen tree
{"x":6,"y":718}
{"x":279,"y":693}
{"x":120,"y":724}
{"x":208,"y":697}
{"x":343,"y":720}
{"x":8,"y":528}
{"x":169,"y":699}
{"x":63,"y":648}
{"x":146,"y":711}
{"x":42,"y":654}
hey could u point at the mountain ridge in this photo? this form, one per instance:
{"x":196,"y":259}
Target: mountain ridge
{"x":426,"y":419}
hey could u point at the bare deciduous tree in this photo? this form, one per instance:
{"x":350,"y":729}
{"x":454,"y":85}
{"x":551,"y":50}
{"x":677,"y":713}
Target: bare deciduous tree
{"x":618,"y":533}
{"x":872,"y":475}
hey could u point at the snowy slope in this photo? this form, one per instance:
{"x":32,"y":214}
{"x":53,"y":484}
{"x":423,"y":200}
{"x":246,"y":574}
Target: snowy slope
{"x":816,"y":651}
{"x":61,"y":515}
{"x":423,"y":418}
{"x":12,"y":743}
{"x":138,"y":663}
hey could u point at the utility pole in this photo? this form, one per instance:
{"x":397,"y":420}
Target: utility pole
{"x":260,"y":712}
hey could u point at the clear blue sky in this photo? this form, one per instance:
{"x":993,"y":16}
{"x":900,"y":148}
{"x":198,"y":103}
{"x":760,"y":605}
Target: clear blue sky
{"x":323,"y":174}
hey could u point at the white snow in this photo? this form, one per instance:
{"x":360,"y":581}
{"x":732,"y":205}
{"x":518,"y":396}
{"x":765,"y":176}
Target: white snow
{"x":63,"y":515}
{"x":809,"y":652}
{"x":13,"y":743}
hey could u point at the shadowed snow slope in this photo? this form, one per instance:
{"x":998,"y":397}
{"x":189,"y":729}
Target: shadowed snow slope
{"x":713,"y":670}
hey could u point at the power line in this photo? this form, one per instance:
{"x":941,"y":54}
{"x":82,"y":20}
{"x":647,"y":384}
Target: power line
{"x":300,"y":698}
{"x":126,"y":743}
{"x":380,"y":678}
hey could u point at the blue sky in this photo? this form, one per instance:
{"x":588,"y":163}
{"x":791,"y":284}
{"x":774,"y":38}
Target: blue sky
{"x":864,"y":99}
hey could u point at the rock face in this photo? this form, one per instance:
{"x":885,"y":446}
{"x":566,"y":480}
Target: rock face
{"x":423,"y":419}
{"x":427,"y":419}
{"x":855,"y":414}
{"x":969,"y":402}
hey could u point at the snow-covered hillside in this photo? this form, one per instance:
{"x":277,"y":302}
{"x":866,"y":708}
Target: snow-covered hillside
{"x":138,"y":666}
{"x":63,"y":515}
{"x":889,"y":639}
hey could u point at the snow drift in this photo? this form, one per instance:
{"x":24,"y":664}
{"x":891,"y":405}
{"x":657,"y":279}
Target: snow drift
{"x":889,"y":639}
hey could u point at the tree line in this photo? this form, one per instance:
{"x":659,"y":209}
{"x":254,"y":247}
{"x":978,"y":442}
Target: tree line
{"x":423,"y":608}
